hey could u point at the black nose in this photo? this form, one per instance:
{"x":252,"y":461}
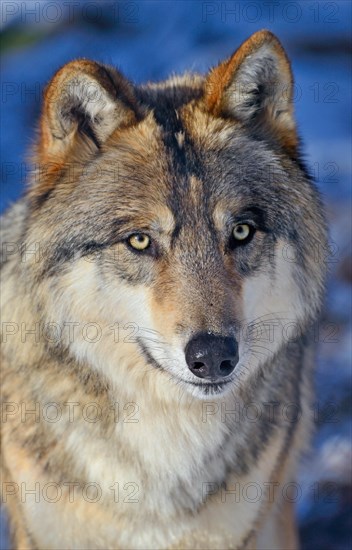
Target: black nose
{"x":210,"y":356}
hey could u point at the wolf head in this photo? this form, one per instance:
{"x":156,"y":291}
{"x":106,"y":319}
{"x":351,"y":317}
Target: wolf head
{"x":179,"y":212}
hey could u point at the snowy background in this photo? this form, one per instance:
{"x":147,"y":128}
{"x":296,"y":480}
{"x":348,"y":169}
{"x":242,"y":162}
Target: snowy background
{"x":150,"y":39}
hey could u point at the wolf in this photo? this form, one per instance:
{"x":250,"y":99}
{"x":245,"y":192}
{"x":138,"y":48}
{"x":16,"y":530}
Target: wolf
{"x":160,"y":277}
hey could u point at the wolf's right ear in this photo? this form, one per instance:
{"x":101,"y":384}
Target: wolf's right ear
{"x":255,"y":86}
{"x":83,"y":100}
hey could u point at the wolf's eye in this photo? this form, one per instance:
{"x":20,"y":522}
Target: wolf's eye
{"x":242,"y":231}
{"x":139,"y":241}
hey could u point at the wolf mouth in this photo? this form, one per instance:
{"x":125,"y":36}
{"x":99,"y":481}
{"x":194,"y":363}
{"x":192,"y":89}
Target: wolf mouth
{"x":209,"y":387}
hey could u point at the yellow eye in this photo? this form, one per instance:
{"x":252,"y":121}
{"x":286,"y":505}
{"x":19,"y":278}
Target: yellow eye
{"x":241,"y":231}
{"x":139,"y":241}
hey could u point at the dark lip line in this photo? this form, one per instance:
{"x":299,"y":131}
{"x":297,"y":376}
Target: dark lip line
{"x":150,"y":359}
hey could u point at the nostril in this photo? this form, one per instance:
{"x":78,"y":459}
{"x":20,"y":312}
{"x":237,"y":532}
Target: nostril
{"x":198,"y":365}
{"x":226,"y":367}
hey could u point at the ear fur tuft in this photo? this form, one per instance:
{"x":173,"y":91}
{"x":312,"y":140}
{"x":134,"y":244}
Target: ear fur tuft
{"x":86,"y":99}
{"x":255,"y":86}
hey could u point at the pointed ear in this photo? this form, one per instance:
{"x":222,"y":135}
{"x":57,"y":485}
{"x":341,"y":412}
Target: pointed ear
{"x":84,"y":100}
{"x":255,"y":86}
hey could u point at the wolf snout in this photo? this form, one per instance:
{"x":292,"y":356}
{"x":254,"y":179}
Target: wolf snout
{"x":211,"y":357}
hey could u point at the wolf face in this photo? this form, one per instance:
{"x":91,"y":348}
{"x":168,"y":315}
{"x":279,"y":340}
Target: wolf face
{"x":180,"y":209}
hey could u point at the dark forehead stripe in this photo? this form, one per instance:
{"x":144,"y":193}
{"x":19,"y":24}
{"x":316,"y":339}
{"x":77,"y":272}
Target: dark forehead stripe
{"x":165,"y":103}
{"x":182,"y":156}
{"x":168,"y":118}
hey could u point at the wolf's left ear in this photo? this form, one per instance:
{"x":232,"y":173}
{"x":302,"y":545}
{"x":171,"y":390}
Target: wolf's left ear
{"x":255,"y":86}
